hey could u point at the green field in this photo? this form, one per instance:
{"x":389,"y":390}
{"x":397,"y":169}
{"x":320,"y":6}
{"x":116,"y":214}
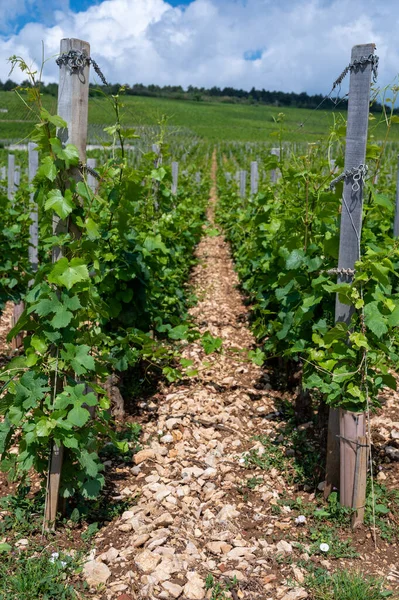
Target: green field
{"x":211,"y":121}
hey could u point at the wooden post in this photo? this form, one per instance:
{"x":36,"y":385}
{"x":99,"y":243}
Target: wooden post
{"x":10,"y":176}
{"x":17,"y":178}
{"x":396,"y":219}
{"x":33,"y":244}
{"x":243,"y":184}
{"x":33,"y":158}
{"x":73,"y":96}
{"x":275,"y":173}
{"x":175,"y":175}
{"x":91,"y":180}
{"x":254,"y":178}
{"x":198,"y":177}
{"x":359,"y":488}
{"x":349,"y":253}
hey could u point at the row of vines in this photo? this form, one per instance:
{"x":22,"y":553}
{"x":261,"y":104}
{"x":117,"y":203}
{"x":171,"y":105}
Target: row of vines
{"x":115,"y":301}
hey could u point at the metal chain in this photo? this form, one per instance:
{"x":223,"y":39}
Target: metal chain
{"x":356,"y":64}
{"x":348,"y":272}
{"x":76,"y":60}
{"x":88,"y":169}
{"x":358,"y":173}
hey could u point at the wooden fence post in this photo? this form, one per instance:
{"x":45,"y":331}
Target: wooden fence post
{"x":351,"y":425}
{"x":175,"y":175}
{"x":33,"y":241}
{"x":243,"y":184}
{"x":396,"y":219}
{"x":275,"y":173}
{"x":254,"y":178}
{"x":10,"y":176}
{"x":33,"y":159}
{"x":91,"y":180}
{"x":73,"y":96}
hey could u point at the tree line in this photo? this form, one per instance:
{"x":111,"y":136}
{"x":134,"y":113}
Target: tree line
{"x":227,"y":95}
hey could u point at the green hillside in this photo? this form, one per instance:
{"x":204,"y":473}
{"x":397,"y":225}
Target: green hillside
{"x":211,"y":121}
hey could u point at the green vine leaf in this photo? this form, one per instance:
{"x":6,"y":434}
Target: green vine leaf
{"x":61,"y":205}
{"x":68,"y":273}
{"x":79,"y":358}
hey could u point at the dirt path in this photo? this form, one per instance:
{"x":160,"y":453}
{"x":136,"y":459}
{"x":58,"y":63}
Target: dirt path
{"x":190,"y":520}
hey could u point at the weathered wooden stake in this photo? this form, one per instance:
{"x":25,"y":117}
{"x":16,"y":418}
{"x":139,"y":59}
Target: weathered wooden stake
{"x":254,"y":178}
{"x":10,"y":176}
{"x":73,"y":95}
{"x":198,"y":177}
{"x":359,"y":488}
{"x":175,"y":175}
{"x":243,"y":184}
{"x":91,"y":180}
{"x":275,"y":173}
{"x":396,"y":219}
{"x":33,"y":245}
{"x":33,"y":160}
{"x":349,"y":253}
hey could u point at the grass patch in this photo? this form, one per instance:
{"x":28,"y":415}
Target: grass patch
{"x":345,"y":585}
{"x":28,"y":575}
{"x":295,"y":456}
{"x":219,"y":588}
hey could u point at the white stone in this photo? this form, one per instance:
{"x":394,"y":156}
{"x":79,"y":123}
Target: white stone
{"x":111,"y":555}
{"x":164,"y":519}
{"x":96,"y":573}
{"x":143,"y":455}
{"x":147,"y":562}
{"x":173,"y":589}
{"x":284,"y":547}
{"x":227,"y":513}
{"x":194,"y":588}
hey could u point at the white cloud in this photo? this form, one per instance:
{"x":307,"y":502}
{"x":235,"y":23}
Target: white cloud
{"x":300,"y":45}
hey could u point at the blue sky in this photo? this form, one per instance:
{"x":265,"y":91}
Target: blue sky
{"x":288,"y":45}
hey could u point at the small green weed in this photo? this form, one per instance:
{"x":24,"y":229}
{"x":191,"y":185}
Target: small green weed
{"x":219,"y":589}
{"x":334,"y":511}
{"x":253,"y":482}
{"x":325,"y":534}
{"x":212,"y":232}
{"x":345,"y":585}
{"x":37,"y":575}
{"x":22,"y":515}
{"x":211,"y":344}
{"x":272,"y":457}
{"x":386,"y":502}
{"x":295,"y":457}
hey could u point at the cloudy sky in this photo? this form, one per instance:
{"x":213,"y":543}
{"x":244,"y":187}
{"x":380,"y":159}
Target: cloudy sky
{"x":288,"y":45}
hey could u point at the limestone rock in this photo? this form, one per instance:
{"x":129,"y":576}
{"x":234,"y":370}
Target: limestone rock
{"x":146,"y":561}
{"x":143,"y":455}
{"x":111,"y":555}
{"x":96,"y":573}
{"x":194,"y":588}
{"x":227,"y":513}
{"x":173,"y":589}
{"x":164,"y":519}
{"x":284,"y":547}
